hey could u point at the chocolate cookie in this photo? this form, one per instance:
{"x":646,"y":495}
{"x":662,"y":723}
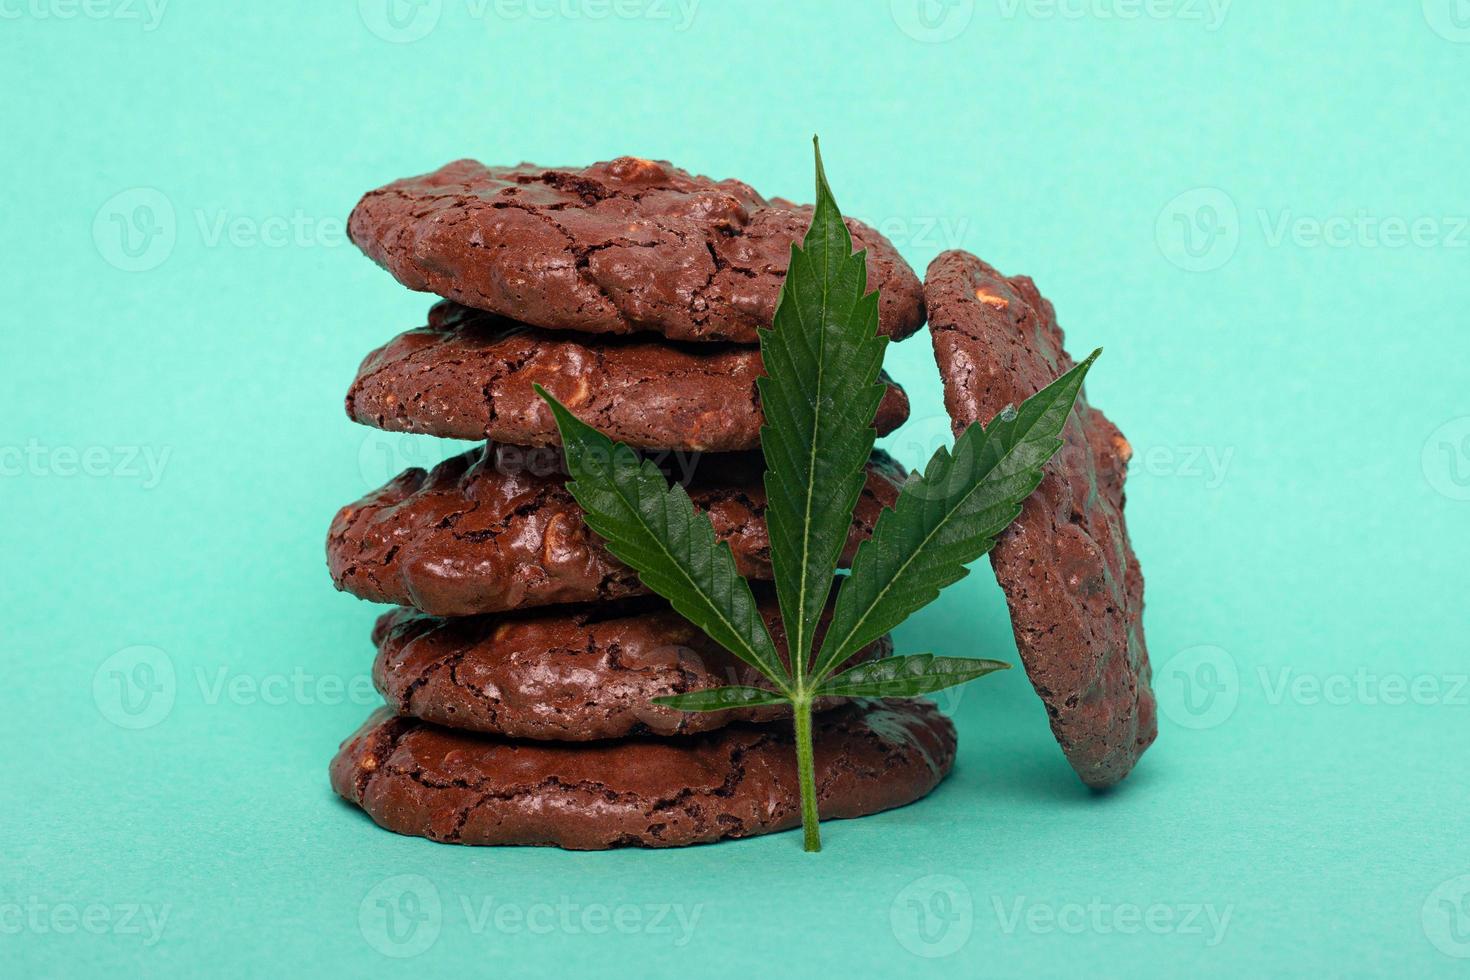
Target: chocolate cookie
{"x":739,"y":781}
{"x":616,"y":247}
{"x":485,"y":532}
{"x":572,"y":673}
{"x":1070,"y":576}
{"x":468,"y":375}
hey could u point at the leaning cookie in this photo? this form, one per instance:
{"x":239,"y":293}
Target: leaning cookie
{"x":569,"y":673}
{"x":469,"y":375}
{"x":623,"y":246}
{"x":486,"y":532}
{"x":1068,"y":571}
{"x":740,"y":781}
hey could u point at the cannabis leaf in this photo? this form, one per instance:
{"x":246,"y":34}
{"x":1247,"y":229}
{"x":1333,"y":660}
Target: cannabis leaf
{"x":906,"y":677}
{"x":654,"y":528}
{"x":947,"y":518}
{"x":820,"y":394}
{"x":720,"y":698}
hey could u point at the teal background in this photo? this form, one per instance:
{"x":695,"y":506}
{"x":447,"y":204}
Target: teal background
{"x":1298,"y":404}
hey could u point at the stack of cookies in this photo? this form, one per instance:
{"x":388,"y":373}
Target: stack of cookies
{"x":521,"y":660}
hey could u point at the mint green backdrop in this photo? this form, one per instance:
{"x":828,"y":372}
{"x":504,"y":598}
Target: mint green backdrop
{"x":1258,"y":208}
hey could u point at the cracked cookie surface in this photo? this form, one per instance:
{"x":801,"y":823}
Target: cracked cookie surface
{"x":492,"y":530}
{"x":1070,"y":577}
{"x":740,"y":781}
{"x":573,"y":673}
{"x":468,"y":375}
{"x":618,"y":247}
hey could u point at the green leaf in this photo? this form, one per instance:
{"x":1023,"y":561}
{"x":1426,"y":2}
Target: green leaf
{"x":819,"y":395}
{"x":906,"y":677}
{"x":948,"y":517}
{"x":654,"y":528}
{"x":721,"y":698}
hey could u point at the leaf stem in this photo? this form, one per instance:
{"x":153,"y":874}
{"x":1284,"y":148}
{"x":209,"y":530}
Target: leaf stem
{"x":801,"y":709}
